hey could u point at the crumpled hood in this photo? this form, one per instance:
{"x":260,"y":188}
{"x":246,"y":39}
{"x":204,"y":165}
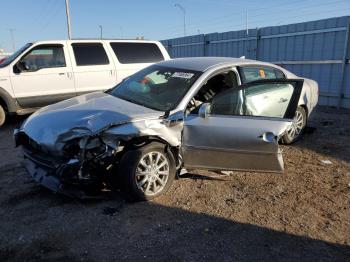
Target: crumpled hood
{"x":82,"y":115}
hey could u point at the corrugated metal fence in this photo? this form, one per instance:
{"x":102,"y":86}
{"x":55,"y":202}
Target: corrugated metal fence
{"x":318,"y":50}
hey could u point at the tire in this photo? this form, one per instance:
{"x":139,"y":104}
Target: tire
{"x":141,"y":179}
{"x":2,"y":115}
{"x":296,"y":130}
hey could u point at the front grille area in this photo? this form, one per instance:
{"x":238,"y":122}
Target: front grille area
{"x":36,"y":152}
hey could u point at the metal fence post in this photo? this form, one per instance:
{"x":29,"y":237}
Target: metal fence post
{"x":257,"y":43}
{"x":205,"y":44}
{"x":169,"y":50}
{"x":343,"y":67}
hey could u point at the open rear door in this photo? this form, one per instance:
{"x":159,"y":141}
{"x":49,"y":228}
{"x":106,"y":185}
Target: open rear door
{"x":240,"y":128}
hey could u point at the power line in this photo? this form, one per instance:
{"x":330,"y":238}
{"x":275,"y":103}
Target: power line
{"x":251,"y":17}
{"x":42,"y":11}
{"x":241,"y":25}
{"x":55,"y":10}
{"x":225,"y":18}
{"x":213,"y":22}
{"x":286,"y":17}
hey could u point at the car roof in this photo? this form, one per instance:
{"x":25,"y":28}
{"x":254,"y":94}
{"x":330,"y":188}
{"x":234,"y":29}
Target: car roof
{"x":204,"y":63}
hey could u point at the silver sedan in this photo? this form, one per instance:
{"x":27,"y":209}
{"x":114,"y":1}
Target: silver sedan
{"x":210,"y":113}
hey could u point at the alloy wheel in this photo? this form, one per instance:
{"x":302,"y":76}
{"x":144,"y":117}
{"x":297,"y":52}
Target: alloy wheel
{"x":296,"y":126}
{"x":152,"y":173}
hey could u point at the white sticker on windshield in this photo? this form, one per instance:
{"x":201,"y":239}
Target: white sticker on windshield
{"x":183,"y":75}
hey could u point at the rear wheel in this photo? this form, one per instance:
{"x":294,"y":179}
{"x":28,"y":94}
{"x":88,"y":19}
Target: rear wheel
{"x":296,"y":130}
{"x":147,"y":172}
{"x":2,"y":115}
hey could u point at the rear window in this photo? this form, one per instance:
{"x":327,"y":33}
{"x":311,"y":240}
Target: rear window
{"x":253,"y":73}
{"x":129,"y":53}
{"x":90,"y":54}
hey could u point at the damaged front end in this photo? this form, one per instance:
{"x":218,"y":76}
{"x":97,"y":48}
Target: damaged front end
{"x":81,"y":163}
{"x":81,"y":169}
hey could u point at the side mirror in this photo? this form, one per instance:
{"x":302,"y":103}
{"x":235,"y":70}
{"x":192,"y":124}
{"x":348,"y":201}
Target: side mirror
{"x":204,"y":110}
{"x":22,"y":66}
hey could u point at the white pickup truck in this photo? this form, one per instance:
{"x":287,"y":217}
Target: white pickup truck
{"x":46,"y":72}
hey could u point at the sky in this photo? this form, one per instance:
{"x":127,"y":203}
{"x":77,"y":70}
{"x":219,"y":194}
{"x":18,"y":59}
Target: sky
{"x":32,"y":20}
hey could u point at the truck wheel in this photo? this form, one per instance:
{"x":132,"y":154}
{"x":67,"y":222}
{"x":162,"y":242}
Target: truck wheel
{"x":296,"y":130}
{"x":2,"y":115}
{"x":147,"y":172}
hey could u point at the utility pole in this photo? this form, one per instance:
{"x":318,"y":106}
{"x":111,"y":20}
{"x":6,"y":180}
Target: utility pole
{"x":184,"y":13}
{"x":100,"y":31}
{"x":12,"y":39}
{"x":68,"y":20}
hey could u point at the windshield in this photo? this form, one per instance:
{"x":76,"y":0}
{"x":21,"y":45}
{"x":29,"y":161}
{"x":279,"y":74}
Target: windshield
{"x":156,"y":87}
{"x":8,"y":60}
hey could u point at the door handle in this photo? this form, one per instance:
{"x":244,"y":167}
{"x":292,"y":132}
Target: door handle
{"x":61,"y":74}
{"x":268,"y":137}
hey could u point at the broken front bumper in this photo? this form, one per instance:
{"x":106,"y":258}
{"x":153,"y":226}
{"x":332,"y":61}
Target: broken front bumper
{"x":51,"y":177}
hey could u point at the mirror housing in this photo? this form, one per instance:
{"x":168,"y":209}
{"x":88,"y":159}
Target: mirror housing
{"x":22,"y":66}
{"x":204,"y":110}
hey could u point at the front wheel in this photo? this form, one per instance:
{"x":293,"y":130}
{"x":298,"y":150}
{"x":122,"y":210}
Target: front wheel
{"x":296,"y":130}
{"x":147,"y":172}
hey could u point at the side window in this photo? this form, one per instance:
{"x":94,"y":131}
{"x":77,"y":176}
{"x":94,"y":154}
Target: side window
{"x":88,"y":54}
{"x":265,"y":99}
{"x":43,"y":56}
{"x":253,"y":73}
{"x":129,"y":53}
{"x":216,"y":84}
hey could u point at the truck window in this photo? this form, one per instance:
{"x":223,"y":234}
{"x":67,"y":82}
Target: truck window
{"x":44,"y":56}
{"x":129,"y":53}
{"x":87,"y":54}
{"x":8,"y":60}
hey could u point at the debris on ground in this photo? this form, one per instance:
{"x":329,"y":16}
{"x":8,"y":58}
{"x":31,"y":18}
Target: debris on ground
{"x":326,"y":161}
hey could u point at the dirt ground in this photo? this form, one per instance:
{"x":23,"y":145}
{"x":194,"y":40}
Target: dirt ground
{"x":303,"y":214}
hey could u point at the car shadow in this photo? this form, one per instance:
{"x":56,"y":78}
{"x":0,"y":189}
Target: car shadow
{"x":217,"y":176}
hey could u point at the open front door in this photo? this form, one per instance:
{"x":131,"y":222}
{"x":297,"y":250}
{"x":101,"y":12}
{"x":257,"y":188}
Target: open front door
{"x":240,"y":128}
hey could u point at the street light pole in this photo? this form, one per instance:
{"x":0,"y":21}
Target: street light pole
{"x":68,"y":20}
{"x":184,"y":13}
{"x":100,"y":31}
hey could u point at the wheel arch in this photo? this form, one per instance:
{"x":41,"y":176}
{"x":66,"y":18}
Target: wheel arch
{"x":141,"y":141}
{"x":306,"y":110}
{"x":7,"y":101}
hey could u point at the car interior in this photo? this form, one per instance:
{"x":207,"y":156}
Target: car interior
{"x":211,"y":88}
